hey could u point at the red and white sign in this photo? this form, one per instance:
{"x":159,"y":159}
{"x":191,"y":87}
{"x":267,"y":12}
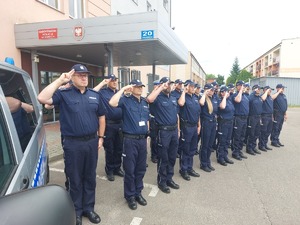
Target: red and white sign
{"x":78,"y":33}
{"x":48,"y":33}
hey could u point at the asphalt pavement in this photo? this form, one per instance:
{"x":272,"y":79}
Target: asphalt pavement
{"x":263,"y":189}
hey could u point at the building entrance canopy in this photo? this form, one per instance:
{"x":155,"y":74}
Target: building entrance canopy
{"x":134,"y":40}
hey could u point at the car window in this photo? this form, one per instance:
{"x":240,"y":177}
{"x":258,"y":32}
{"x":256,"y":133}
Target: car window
{"x":7,"y":161}
{"x":25,"y":118}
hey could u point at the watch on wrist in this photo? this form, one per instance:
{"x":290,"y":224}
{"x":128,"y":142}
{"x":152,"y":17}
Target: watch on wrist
{"x":101,"y":136}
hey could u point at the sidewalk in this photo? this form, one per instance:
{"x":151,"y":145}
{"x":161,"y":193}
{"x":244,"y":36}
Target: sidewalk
{"x":53,"y":141}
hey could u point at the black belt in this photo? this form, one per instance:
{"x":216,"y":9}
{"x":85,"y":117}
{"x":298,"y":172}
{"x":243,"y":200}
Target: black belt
{"x":254,"y":116}
{"x":186,"y":124}
{"x":113,"y":121}
{"x":135,"y":136}
{"x":267,"y":114}
{"x":167,"y":127}
{"x":242,"y":117}
{"x":224,"y":120}
{"x":81,"y":138}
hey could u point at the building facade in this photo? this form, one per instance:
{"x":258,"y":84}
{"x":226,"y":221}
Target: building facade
{"x":280,"y":61}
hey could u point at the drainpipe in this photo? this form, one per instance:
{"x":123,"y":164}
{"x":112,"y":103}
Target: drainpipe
{"x":35,"y":73}
{"x":110,"y":62}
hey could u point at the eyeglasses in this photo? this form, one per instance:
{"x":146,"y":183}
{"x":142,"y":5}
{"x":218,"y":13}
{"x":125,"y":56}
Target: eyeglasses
{"x":83,"y":75}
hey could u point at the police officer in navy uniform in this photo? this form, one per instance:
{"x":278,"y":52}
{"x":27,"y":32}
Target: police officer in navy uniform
{"x":189,"y":129}
{"x":198,"y":95}
{"x":209,"y":109}
{"x":177,"y":93}
{"x":113,"y":141}
{"x":153,"y":128}
{"x":279,"y":114}
{"x":247,"y":94}
{"x":225,"y":125}
{"x":254,"y":119}
{"x":135,"y":116}
{"x":166,"y":117}
{"x":241,"y":105}
{"x":266,"y":120}
{"x":82,"y":120}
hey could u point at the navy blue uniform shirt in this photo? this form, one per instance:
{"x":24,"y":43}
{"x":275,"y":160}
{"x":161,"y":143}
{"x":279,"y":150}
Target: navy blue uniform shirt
{"x":228,"y":112}
{"x":204,"y":110}
{"x":241,"y":108}
{"x":165,"y":110}
{"x":190,"y":111}
{"x":255,"y":104}
{"x":176,"y":94}
{"x":135,"y":115}
{"x":112,"y":112}
{"x":280,"y":103}
{"x":267,"y":107}
{"x":79,"y":113}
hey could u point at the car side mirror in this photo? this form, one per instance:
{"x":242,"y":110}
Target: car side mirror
{"x":47,"y":205}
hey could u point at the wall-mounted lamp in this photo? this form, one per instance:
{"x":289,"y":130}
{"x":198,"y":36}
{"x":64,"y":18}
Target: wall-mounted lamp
{"x":36,"y":59}
{"x":138,"y":53}
{"x":79,"y":56}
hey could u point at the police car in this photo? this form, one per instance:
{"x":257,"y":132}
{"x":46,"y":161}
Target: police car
{"x":23,"y":152}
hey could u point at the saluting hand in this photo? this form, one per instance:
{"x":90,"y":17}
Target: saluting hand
{"x":66,"y":77}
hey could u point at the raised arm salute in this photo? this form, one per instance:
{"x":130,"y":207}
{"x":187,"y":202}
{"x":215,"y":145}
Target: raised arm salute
{"x":82,"y":120}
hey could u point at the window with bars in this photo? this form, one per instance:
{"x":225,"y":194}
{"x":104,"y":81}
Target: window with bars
{"x":53,"y":3}
{"x":149,"y":7}
{"x":76,"y":9}
{"x":166,"y":4}
{"x":126,"y":75}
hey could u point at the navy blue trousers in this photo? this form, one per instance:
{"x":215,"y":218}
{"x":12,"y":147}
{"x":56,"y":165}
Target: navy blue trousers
{"x":239,"y":131}
{"x":113,"y":147}
{"x":188,"y":143}
{"x":265,"y":130}
{"x":254,"y":132}
{"x":80,"y":167}
{"x":167,"y":146}
{"x":134,"y":164}
{"x":277,"y":126}
{"x":153,"y":137}
{"x":224,"y":138}
{"x":208,"y":133}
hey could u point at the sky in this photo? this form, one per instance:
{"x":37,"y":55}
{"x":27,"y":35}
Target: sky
{"x":218,"y":31}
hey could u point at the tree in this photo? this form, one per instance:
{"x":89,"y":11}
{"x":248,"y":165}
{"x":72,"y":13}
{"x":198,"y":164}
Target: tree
{"x":234,"y":73}
{"x":220,"y":79}
{"x":245,"y":76}
{"x":210,"y":77}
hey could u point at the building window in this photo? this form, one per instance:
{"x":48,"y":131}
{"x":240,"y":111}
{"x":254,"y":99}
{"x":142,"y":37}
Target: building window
{"x":136,"y":2}
{"x":166,"y":4}
{"x":151,"y":79}
{"x":124,"y":76}
{"x":149,"y":7}
{"x":135,"y":75}
{"x":76,"y":8}
{"x":53,"y":3}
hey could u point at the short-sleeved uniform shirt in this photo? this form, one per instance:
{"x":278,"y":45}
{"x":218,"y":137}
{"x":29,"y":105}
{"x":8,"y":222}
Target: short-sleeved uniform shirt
{"x":135,"y":114}
{"x":267,"y":107}
{"x":113,"y":113}
{"x":165,"y":109}
{"x":280,"y":103}
{"x":241,"y":108}
{"x":79,"y":112}
{"x":255,"y":104}
{"x":228,"y":112}
{"x":190,"y":111}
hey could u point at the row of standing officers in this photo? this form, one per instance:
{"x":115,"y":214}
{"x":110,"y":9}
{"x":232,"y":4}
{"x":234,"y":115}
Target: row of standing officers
{"x":178,"y":120}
